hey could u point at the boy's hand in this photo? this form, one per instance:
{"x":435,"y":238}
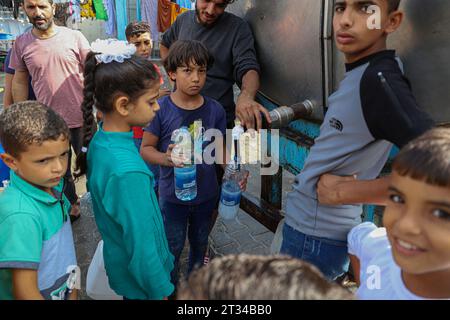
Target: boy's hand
{"x":164,"y":92}
{"x":244,"y":180}
{"x":171,"y":159}
{"x":328,"y":191}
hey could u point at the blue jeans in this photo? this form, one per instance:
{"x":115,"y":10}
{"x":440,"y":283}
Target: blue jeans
{"x":330,"y":256}
{"x":193,"y":220}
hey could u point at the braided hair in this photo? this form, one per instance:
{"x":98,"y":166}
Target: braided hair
{"x":103,"y":84}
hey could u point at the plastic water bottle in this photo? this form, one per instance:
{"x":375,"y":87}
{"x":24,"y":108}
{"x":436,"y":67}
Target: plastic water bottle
{"x":186,"y":176}
{"x":230,"y":196}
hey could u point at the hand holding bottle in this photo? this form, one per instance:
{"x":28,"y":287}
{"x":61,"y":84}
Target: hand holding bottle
{"x":172,"y":159}
{"x":244,"y":179}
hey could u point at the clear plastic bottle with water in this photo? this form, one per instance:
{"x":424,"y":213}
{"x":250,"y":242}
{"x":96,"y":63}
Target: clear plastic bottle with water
{"x":186,"y":176}
{"x":230,"y":196}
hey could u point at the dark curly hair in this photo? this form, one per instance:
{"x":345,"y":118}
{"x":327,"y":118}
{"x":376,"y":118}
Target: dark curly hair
{"x":29,"y":122}
{"x":135,"y":29}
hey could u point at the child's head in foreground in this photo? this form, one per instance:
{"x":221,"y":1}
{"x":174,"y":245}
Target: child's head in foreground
{"x":36,"y":143}
{"x":138,"y":33}
{"x":251,"y":277}
{"x":361,"y":27}
{"x":187,"y":63}
{"x":417,"y":218}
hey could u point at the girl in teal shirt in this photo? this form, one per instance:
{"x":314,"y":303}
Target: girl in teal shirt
{"x":124,"y":87}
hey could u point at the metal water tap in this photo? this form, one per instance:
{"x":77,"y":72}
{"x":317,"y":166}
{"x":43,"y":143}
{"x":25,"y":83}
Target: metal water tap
{"x":282,"y":116}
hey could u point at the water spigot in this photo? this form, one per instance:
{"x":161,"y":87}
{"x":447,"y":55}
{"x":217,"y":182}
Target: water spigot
{"x":282,"y":116}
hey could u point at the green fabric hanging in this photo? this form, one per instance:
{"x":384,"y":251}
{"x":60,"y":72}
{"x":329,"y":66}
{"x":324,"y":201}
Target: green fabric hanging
{"x":100,"y":11}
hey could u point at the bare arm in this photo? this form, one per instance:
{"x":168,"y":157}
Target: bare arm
{"x":20,"y":85}
{"x":7,"y":96}
{"x":250,"y":84}
{"x":25,"y":285}
{"x":356,"y":266}
{"x":247,"y":109}
{"x":335,"y":190}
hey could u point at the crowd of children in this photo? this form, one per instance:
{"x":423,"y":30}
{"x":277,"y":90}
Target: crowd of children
{"x":144,"y":233}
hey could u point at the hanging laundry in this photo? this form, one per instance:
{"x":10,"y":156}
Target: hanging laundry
{"x":75,"y":10}
{"x":174,"y":12}
{"x":100,"y":11}
{"x":164,"y":15}
{"x":62,"y":13}
{"x":75,"y":15}
{"x":188,"y":4}
{"x":149,"y":12}
{"x":138,"y":10}
{"x":121,"y":18}
{"x":87,"y":10}
{"x":110,"y":25}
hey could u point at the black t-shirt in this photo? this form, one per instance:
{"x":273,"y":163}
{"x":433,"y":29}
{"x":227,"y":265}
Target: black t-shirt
{"x":231,"y":43}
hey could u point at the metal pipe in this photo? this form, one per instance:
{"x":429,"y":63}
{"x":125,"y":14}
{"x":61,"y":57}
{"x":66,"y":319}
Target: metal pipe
{"x":282,"y":116}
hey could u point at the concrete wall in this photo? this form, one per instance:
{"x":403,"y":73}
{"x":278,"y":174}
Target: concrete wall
{"x":93,"y":29}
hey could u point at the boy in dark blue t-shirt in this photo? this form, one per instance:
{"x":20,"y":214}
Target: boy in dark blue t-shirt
{"x":187,"y":64}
